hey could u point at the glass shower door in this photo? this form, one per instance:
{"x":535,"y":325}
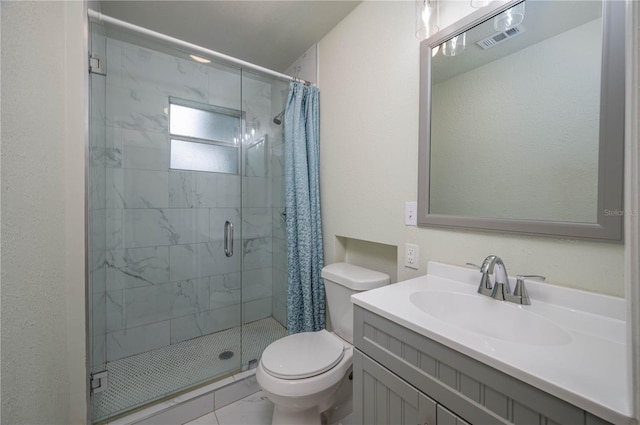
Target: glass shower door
{"x":264,"y":272}
{"x":165,"y":240}
{"x":186,"y":210}
{"x":96,"y":213}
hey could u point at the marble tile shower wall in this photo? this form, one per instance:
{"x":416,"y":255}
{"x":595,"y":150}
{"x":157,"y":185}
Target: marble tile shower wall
{"x":167,"y":278}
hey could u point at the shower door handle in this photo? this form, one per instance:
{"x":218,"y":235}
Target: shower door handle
{"x":228,"y":238}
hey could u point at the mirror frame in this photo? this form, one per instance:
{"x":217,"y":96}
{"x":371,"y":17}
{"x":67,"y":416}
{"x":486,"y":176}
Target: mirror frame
{"x":609,"y":227}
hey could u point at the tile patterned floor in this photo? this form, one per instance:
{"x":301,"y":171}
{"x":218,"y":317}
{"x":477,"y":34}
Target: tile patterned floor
{"x":255,"y":409}
{"x":139,"y":379}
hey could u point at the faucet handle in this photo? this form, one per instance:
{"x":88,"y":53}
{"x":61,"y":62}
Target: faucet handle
{"x":522,"y":277}
{"x":474,"y":265}
{"x":520,"y":290}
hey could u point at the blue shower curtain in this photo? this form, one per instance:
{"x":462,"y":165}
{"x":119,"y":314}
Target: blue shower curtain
{"x":305,"y":289}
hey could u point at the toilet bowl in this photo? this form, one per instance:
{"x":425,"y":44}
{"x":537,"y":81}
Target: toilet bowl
{"x":301,"y":394}
{"x":308,"y":373}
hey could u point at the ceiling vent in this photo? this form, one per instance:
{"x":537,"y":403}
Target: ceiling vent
{"x":500,"y":37}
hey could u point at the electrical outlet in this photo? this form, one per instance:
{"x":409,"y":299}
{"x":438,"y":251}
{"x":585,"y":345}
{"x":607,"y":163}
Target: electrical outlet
{"x":411,"y":213}
{"x":411,"y":256}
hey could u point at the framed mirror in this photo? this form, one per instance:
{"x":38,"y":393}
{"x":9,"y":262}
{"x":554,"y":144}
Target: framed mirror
{"x":522,"y":120}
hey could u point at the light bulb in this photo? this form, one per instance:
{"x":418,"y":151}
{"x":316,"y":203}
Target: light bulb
{"x":426,"y":18}
{"x":199,"y":59}
{"x":426,"y":14}
{"x":509,"y":18}
{"x":455,"y":45}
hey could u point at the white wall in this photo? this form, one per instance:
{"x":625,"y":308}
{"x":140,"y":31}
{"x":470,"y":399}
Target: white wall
{"x":368,"y":73}
{"x":43,"y":316}
{"x":76,"y":119}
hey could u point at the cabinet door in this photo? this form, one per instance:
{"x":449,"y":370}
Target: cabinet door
{"x":445,"y":417}
{"x":380,"y":397}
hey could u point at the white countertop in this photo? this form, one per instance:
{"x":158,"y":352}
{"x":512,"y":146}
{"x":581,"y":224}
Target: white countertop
{"x":590,"y":371}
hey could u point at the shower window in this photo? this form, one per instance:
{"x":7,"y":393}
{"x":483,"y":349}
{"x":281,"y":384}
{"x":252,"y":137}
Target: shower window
{"x":204,"y":137}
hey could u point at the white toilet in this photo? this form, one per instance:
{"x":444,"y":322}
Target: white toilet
{"x":307,"y":374}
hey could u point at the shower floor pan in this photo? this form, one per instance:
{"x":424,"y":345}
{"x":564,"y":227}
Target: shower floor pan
{"x":138,"y":380}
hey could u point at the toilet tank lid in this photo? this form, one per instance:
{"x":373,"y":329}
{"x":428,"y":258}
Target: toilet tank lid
{"x":354,"y":277}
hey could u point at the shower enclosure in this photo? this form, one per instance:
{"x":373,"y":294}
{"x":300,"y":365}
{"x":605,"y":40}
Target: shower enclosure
{"x":187,"y":248}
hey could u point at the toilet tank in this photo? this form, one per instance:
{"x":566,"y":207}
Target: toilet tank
{"x":341,"y":280}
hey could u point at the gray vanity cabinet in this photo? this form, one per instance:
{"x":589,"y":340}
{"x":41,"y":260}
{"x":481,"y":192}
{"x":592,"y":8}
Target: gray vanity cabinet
{"x":380,"y":397}
{"x":445,"y":417}
{"x":386,"y":399}
{"x":401,"y":377}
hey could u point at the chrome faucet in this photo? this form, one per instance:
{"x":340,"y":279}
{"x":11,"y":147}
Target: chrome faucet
{"x":501,"y":290}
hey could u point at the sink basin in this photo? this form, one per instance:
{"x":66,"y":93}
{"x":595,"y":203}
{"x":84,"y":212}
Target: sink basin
{"x":486,"y":316}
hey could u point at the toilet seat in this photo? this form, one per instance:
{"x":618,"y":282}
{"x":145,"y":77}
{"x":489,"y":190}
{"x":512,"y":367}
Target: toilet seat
{"x":303,"y":355}
{"x":305,"y":387}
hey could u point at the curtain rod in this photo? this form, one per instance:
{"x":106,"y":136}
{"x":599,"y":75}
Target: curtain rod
{"x":100,"y":17}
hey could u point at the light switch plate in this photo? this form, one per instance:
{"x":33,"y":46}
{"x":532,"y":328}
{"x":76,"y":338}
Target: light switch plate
{"x":411,"y":213}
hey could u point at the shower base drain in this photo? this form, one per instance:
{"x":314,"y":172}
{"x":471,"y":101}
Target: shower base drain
{"x":225,"y":355}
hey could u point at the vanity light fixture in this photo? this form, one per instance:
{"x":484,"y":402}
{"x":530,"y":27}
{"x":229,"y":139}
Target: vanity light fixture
{"x":199,"y":59}
{"x":455,"y":45}
{"x":509,"y":18}
{"x":426,"y":18}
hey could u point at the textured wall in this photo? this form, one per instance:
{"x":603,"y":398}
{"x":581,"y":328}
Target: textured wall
{"x":369,"y":83}
{"x":43,"y":338}
{"x":74,"y":196}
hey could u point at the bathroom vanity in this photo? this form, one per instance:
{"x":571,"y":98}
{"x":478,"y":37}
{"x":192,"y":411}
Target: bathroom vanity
{"x":432,"y":350}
